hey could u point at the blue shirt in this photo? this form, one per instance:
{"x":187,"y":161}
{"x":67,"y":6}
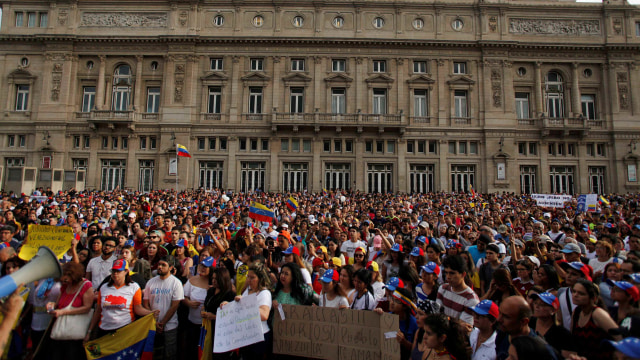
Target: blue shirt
{"x":475,"y":254}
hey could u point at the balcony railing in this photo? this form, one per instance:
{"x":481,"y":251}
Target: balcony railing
{"x":296,"y":117}
{"x":460,"y":121}
{"x":338,"y":118}
{"x":112,"y":115}
{"x":420,"y":119}
{"x":574,"y":123}
{"x":531,"y":123}
{"x":254,"y":117}
{"x":150,"y":116}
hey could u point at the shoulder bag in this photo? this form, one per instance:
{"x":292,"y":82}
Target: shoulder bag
{"x":72,"y":327}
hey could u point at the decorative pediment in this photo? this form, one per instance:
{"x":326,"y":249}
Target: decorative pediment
{"x":379,"y":79}
{"x":214,"y":76}
{"x":257,"y":78}
{"x":420,"y":80}
{"x":297,"y":78}
{"x":21,"y":74}
{"x":461,"y":80}
{"x":338,"y":79}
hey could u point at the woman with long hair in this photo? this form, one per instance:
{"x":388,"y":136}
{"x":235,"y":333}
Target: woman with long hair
{"x":292,"y":255}
{"x":428,"y":288}
{"x":221,"y":291}
{"x":195,"y":293}
{"x":417,"y":258}
{"x":332,"y":295}
{"x":402,"y":305}
{"x":501,"y":287}
{"x":443,"y":338}
{"x":473,"y":278}
{"x":626,"y":296}
{"x":547,"y":278}
{"x":483,"y":336}
{"x":359,"y":259}
{"x":544,"y":322}
{"x":183,"y":255}
{"x":391,"y":266}
{"x":258,"y":283}
{"x":346,"y":282}
{"x":333,"y":250}
{"x":291,"y":288}
{"x":108,"y":318}
{"x":433,"y":254}
{"x":363,"y":297}
{"x":611,"y":272}
{"x":524,"y":281}
{"x":138,"y":266}
{"x":591,"y":324}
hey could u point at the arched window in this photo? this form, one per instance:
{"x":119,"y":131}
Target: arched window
{"x":554,"y":92}
{"x":121,"y":96}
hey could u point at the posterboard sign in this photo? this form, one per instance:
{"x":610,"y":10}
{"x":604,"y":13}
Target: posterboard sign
{"x":631,"y":173}
{"x":56,"y":238}
{"x":173,"y":167}
{"x":502,"y":171}
{"x":39,"y":198}
{"x":550,"y":200}
{"x":587,"y":203}
{"x":326,"y":333}
{"x":238,"y":324}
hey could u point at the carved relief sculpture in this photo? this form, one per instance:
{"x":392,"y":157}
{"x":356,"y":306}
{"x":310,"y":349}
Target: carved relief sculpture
{"x":56,"y":80}
{"x":184,"y":16}
{"x":179,"y":83}
{"x":493,"y":23}
{"x":496,"y":87}
{"x":554,"y":27}
{"x":124,"y":19}
{"x":63,"y":15}
{"x":617,"y":26}
{"x":623,"y":90}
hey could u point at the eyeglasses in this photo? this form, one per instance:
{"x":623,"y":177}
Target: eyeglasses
{"x":358,"y":255}
{"x":108,"y":246}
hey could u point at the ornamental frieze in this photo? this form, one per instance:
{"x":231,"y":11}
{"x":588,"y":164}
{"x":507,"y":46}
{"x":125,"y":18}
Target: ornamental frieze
{"x":124,"y":19}
{"x":522,"y":26}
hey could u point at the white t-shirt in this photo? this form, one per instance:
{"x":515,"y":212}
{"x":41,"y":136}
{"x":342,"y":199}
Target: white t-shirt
{"x":486,"y":350}
{"x":378,"y":290}
{"x":41,"y":317}
{"x":335,"y":303}
{"x":365,"y":302}
{"x":264,"y":299}
{"x":598,"y":265}
{"x":306,"y":276}
{"x":350,"y":247}
{"x":195,"y":294}
{"x":117,"y":305}
{"x":160,"y":293}
{"x":100,"y":269}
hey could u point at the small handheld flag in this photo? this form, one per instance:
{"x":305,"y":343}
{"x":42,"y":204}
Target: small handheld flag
{"x":292,"y":204}
{"x":603,"y":200}
{"x":182,"y":151}
{"x":260,"y":212}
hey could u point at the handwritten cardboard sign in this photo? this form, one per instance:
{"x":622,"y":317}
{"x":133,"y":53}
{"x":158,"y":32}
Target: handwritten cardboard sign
{"x":238,"y":324}
{"x":550,"y":200}
{"x":326,"y":333}
{"x":56,"y":238}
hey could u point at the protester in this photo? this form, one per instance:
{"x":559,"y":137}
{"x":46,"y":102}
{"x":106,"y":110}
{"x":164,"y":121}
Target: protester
{"x":455,"y":296}
{"x":332,"y":295}
{"x":443,"y":338}
{"x":195,"y":292}
{"x":483,"y":336}
{"x":363,"y":296}
{"x":221,"y":291}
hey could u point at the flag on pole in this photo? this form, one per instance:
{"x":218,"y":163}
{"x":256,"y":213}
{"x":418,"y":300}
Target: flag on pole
{"x":134,"y":341}
{"x":205,"y":345}
{"x":292,"y":204}
{"x":260,"y":212}
{"x":473,"y":193}
{"x":324,"y":192}
{"x":182,"y":151}
{"x":603,"y":200}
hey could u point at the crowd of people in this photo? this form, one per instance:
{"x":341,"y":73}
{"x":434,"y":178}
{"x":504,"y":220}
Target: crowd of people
{"x":470,"y":276}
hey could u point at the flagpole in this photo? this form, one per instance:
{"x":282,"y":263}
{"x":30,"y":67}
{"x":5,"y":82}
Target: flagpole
{"x":176,"y":169}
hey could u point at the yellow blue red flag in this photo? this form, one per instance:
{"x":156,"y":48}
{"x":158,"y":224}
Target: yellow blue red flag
{"x":292,"y":204}
{"x":260,"y":212}
{"x":134,"y":341}
{"x":182,"y":151}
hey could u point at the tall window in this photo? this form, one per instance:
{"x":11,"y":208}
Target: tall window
{"x":211,"y":174}
{"x":596,"y":179}
{"x":379,"y":66}
{"x":462,"y":177}
{"x":22,"y":97}
{"x":555,"y":95}
{"x":113,"y":174}
{"x":338,"y":65}
{"x":257,"y":64}
{"x":88,"y":98}
{"x":297,"y":100}
{"x":337,"y":176}
{"x":255,"y":100}
{"x":252,"y":176}
{"x":527,"y":179}
{"x":121,"y":88}
{"x":153,"y":100}
{"x":19,"y":19}
{"x":215,"y":100}
{"x":421,"y":178}
{"x":338,"y":101}
{"x":379,"y":101}
{"x":561,"y":179}
{"x":460,"y":103}
{"x":459,"y":68}
{"x":216,"y":64}
{"x":145,"y":180}
{"x":379,"y":178}
{"x":420,"y":103}
{"x":31,"y":19}
{"x":522,"y":105}
{"x":588,"y":106}
{"x":419,"y":67}
{"x":295,"y":176}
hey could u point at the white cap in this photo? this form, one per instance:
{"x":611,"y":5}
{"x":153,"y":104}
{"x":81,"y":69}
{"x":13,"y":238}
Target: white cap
{"x":534,"y":260}
{"x":503,"y":248}
{"x":424,"y":224}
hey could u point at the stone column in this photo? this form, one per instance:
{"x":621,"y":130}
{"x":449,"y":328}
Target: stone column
{"x":538,"y":91}
{"x":274,"y":168}
{"x":278,"y":91}
{"x":133,"y":166}
{"x":613,"y":88}
{"x":444,"y":171}
{"x":93,"y":170}
{"x":358,"y":173}
{"x":317,"y":95}
{"x":317,"y":176}
{"x":509,"y":94}
{"x":100,"y":87}
{"x":401,"y":103}
{"x":235,"y":96}
{"x":635,"y":91}
{"x":543,"y":173}
{"x":583,"y":169}
{"x":137,"y":99}
{"x":168,"y":84}
{"x":360,"y":74}
{"x":575,"y":91}
{"x":232,"y":173}
{"x":401,"y":145}
{"x":442,"y":92}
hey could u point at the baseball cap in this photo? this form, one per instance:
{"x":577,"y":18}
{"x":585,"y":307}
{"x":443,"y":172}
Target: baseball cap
{"x":534,"y":260}
{"x":431,"y":268}
{"x":494,"y":248}
{"x":329,"y":276}
{"x":129,"y":243}
{"x":633,"y":277}
{"x":120,"y":265}
{"x":394,"y":283}
{"x":416,"y":251}
{"x":317,"y":262}
{"x":518,"y":243}
{"x":579,"y":266}
{"x":373,"y":266}
{"x":323,"y":249}
{"x":503,"y":228}
{"x":424,"y":224}
{"x":486,"y":307}
{"x":209,"y":261}
{"x":421,"y":239}
{"x":629,"y":346}
{"x":452,"y":244}
{"x":627,"y":287}
{"x":571,"y":248}
{"x":336,"y":261}
{"x":396,"y":248}
{"x":286,"y":235}
{"x":548,"y":298}
{"x":292,"y":250}
{"x":181,"y":243}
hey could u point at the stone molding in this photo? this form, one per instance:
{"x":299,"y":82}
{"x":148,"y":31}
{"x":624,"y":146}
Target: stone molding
{"x":124,"y":19}
{"x":522,"y":26}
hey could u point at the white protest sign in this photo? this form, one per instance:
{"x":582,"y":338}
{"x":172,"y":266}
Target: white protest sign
{"x":549,"y":200}
{"x":238,"y":324}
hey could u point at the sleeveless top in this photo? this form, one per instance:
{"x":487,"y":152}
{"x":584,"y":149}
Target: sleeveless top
{"x":587,"y":338}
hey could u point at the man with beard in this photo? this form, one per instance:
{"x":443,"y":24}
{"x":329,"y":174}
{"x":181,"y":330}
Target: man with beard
{"x":164,"y":292}
{"x":99,"y":267}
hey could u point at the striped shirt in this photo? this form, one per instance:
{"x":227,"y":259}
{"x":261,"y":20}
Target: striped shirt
{"x":457,"y":304}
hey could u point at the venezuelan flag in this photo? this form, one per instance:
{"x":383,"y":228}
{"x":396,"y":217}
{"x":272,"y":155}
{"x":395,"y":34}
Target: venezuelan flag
{"x":260,"y":212}
{"x":292,"y":204}
{"x":324,"y":192}
{"x":134,"y":341}
{"x":182,"y":151}
{"x":603,"y":200}
{"x":473,"y":193}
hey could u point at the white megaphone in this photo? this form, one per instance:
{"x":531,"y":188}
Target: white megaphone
{"x":44,"y":265}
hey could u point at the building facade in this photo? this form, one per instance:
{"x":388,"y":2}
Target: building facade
{"x":412,"y":96}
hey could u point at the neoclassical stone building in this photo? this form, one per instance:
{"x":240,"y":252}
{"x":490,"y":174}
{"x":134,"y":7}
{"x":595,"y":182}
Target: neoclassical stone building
{"x":407,"y":96}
